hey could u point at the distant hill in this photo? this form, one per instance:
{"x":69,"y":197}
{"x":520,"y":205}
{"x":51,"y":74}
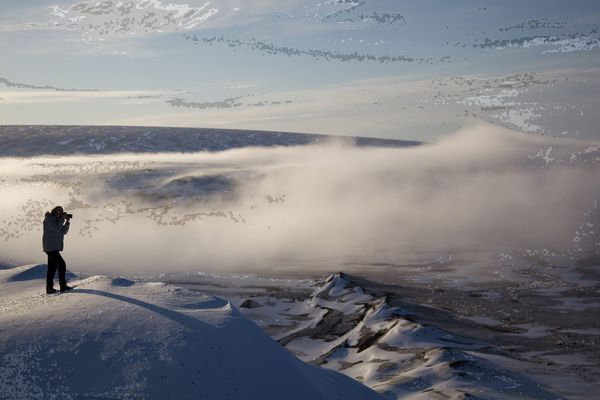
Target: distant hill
{"x":35,"y":140}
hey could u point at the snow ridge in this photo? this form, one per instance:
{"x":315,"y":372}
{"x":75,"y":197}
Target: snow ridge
{"x":122,"y":339}
{"x":364,"y":336}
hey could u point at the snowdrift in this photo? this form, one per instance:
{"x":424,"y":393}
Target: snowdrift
{"x":116,"y":338}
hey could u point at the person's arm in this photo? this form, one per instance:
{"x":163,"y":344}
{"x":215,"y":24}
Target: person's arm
{"x":65,"y":227}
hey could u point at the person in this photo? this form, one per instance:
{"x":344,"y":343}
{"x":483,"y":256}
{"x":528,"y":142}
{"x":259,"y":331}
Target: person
{"x":56,"y":226}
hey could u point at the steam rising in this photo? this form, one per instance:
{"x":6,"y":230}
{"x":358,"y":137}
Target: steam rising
{"x":316,"y":206}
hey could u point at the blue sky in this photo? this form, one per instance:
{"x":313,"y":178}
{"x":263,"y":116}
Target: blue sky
{"x":398,"y":69}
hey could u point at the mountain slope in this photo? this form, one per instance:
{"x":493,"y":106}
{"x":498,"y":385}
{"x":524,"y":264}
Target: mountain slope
{"x":121,"y":339}
{"x":344,"y":327}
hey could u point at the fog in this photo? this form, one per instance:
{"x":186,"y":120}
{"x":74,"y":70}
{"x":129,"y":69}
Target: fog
{"x":483,"y":189}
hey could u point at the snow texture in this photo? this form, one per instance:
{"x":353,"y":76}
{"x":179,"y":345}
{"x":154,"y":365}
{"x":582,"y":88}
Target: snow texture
{"x":122,"y":339}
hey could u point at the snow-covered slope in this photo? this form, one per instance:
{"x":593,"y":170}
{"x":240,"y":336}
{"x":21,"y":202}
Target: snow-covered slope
{"x":349,"y":329}
{"x":121,"y":339}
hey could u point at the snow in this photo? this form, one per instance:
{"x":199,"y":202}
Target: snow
{"x":144,"y":328}
{"x":378,"y":345}
{"x":118,"y":338}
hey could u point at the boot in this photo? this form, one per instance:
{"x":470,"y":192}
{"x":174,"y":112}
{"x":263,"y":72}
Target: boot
{"x":50,"y":290}
{"x":65,"y":288}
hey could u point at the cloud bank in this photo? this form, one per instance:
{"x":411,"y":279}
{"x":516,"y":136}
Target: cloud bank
{"x":314,"y":207}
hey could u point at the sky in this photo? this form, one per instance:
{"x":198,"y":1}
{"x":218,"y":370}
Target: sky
{"x":393,"y":69}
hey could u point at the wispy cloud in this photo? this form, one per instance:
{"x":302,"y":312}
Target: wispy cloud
{"x":20,"y":85}
{"x":385,"y":107}
{"x":551,"y":44}
{"x":552,"y":35}
{"x":42,"y":96}
{"x":392,"y":105}
{"x":92,"y":21}
{"x":328,"y":55}
{"x":97,"y":20}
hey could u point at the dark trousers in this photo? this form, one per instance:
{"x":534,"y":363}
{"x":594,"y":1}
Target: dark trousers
{"x":55,"y":261}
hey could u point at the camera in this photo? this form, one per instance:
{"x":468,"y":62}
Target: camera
{"x":68,"y":215}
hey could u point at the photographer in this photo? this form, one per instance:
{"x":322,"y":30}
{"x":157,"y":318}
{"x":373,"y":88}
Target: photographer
{"x":56,"y":226}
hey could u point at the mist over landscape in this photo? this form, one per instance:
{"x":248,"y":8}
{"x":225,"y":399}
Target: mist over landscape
{"x":482,"y":190}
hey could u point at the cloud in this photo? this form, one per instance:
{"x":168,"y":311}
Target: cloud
{"x":99,"y":20}
{"x":555,"y":102}
{"x":484,"y":189}
{"x":96,"y":19}
{"x":318,"y":54}
{"x":535,"y":23}
{"x":227,"y":103}
{"x":241,"y":85}
{"x":19,"y":85}
{"x":558,"y":43}
{"x":21,"y":97}
{"x":383,"y":18}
